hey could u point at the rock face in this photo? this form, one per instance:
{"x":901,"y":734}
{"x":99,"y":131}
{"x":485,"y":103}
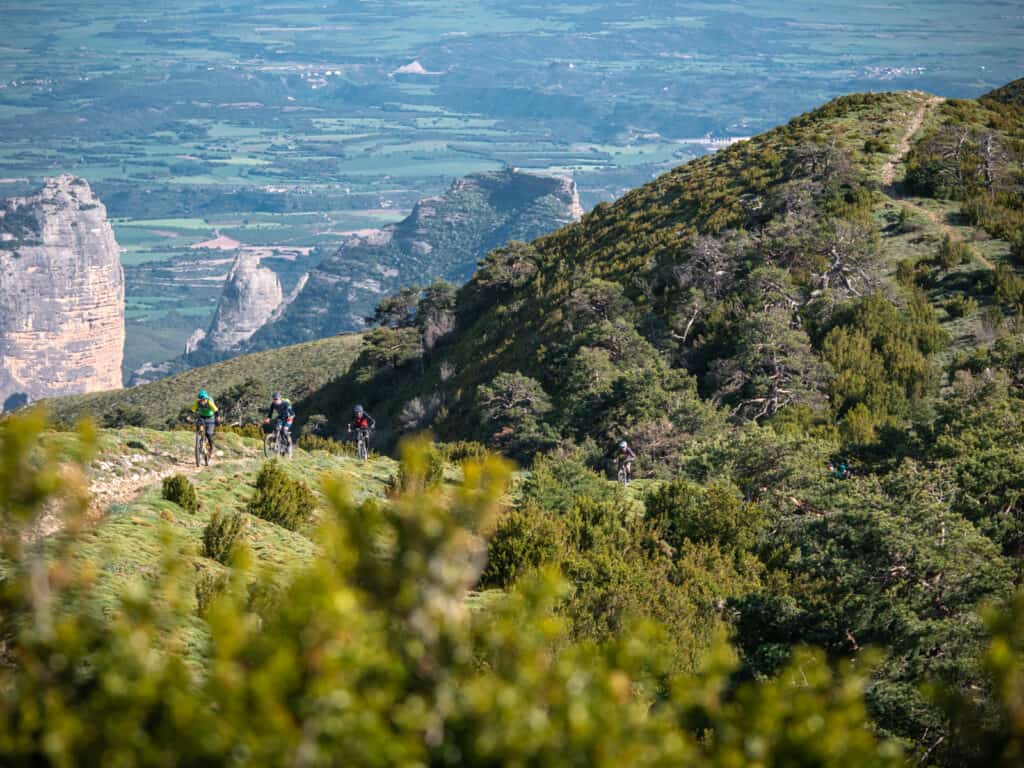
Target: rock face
{"x":61,"y":295}
{"x":444,"y":236}
{"x":251,"y":296}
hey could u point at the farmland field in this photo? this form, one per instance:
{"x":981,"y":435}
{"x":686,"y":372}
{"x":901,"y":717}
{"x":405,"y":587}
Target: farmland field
{"x":283,"y":124}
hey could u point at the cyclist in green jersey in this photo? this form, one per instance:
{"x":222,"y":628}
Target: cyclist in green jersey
{"x":206,"y":413}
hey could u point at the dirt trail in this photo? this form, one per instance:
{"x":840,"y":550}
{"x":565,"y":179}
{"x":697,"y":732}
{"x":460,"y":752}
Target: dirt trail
{"x":103,"y":493}
{"x":903,"y":148}
{"x":120,"y":490}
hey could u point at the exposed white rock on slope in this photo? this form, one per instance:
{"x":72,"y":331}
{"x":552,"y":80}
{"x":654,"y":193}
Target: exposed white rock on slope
{"x":61,"y":295}
{"x":252,"y":294}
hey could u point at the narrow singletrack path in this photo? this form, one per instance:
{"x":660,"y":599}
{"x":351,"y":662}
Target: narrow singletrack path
{"x":893,"y":190}
{"x":106,"y":492}
{"x":903,"y":148}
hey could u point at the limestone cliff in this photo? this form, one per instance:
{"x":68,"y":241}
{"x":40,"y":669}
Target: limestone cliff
{"x":61,"y":295}
{"x":444,"y":236}
{"x":252,"y":294}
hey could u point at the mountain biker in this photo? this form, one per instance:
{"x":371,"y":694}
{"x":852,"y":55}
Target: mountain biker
{"x":362,"y":421}
{"x":625,"y":457}
{"x":285,"y":413}
{"x":206,"y":413}
{"x":839,"y":471}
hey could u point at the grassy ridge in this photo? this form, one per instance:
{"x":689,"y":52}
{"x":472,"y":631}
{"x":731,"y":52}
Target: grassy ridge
{"x":128,"y":543}
{"x":296,"y":371}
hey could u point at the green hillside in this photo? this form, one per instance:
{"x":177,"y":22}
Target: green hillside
{"x":241,"y":386}
{"x":760,"y":279}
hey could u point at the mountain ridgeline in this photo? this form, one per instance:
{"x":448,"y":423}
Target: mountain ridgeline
{"x":443,"y":237}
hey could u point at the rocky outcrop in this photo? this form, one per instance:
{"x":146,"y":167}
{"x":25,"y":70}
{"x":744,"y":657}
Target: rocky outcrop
{"x":61,"y":295}
{"x":444,"y":236}
{"x":252,"y":294}
{"x":193,"y":342}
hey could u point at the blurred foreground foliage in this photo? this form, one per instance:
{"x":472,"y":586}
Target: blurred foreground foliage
{"x":372,"y":656}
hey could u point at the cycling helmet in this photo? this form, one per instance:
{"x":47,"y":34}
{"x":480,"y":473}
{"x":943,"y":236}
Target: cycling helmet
{"x":276,"y":396}
{"x":357,"y":410}
{"x":203,"y":394}
{"x":623,"y":444}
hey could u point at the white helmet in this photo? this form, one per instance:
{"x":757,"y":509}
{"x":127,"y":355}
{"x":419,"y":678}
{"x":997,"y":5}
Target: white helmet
{"x":623,"y":444}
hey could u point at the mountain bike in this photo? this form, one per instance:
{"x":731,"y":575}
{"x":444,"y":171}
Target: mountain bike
{"x":362,"y":444}
{"x":278,"y":442}
{"x":625,"y":470}
{"x":204,"y":445}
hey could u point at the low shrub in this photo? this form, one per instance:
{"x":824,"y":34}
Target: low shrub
{"x":281,"y":500}
{"x":209,"y":585}
{"x":124,"y":416}
{"x":910,"y":221}
{"x":221,"y":536}
{"x":912,"y":272}
{"x":418,"y":477}
{"x":875,"y":145}
{"x":961,"y":306}
{"x":463,"y":450}
{"x":953,"y":252}
{"x":555,"y":483}
{"x":310,"y":442}
{"x":135,"y":444}
{"x":253,"y":431}
{"x":683,"y":511}
{"x":524,"y":540}
{"x":178,"y":489}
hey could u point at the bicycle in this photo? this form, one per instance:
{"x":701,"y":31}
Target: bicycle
{"x":362,"y":444}
{"x":625,"y":470}
{"x":204,"y":445}
{"x":278,"y":442}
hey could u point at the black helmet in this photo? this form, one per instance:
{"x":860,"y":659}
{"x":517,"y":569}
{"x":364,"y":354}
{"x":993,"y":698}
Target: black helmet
{"x":276,"y":396}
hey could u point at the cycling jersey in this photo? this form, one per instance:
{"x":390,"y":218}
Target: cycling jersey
{"x":365,"y":421}
{"x":205,"y":409}
{"x":284,"y":410}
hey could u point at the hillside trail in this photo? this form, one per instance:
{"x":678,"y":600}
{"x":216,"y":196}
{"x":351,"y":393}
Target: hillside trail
{"x":893,"y":190}
{"x":108,"y":491}
{"x":903,"y":148}
{"x":104,"y":493}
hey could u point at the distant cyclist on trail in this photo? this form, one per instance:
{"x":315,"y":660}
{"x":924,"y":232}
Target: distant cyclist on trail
{"x":839,"y":471}
{"x":285,"y":413}
{"x":206,"y":413}
{"x":624,"y":458}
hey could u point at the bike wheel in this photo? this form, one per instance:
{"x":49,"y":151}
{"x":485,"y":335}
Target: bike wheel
{"x":200,"y":444}
{"x":623,"y":476}
{"x":269,"y":446}
{"x":286,"y":445}
{"x":361,"y":449}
